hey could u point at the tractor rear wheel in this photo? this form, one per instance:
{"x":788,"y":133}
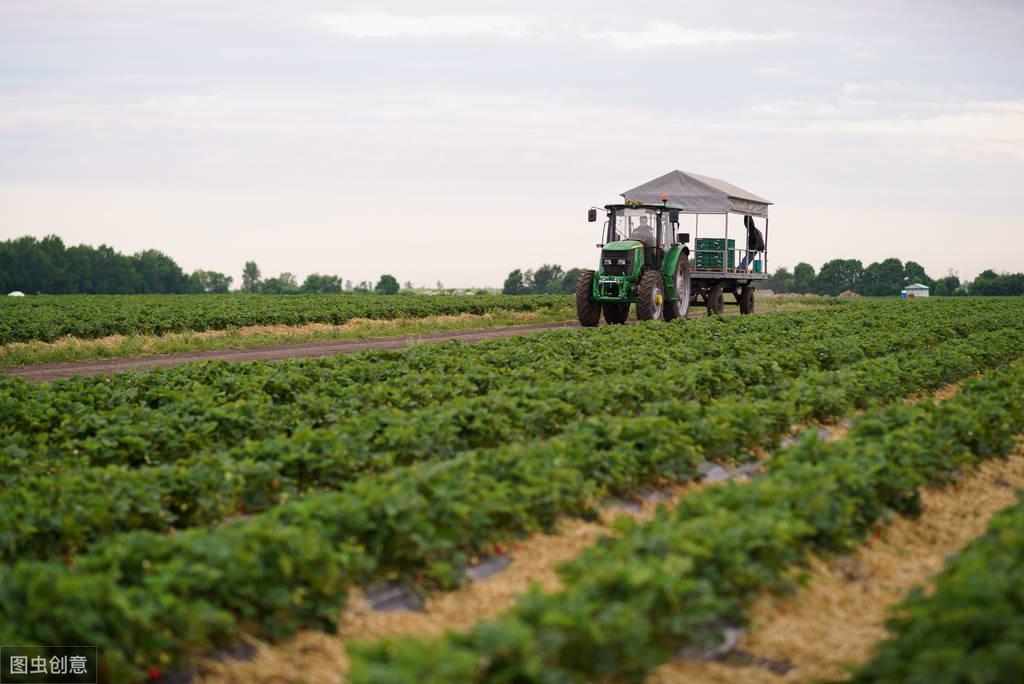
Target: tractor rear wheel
{"x":615,"y":314}
{"x":746,"y":299}
{"x":587,"y":310}
{"x":716,"y":300}
{"x":650,"y":302}
{"x":681,"y":306}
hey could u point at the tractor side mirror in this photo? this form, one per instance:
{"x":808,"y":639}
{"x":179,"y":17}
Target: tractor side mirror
{"x":683,"y":238}
{"x":673,"y":216}
{"x":592,"y":215}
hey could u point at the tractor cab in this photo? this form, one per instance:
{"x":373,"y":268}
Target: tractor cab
{"x":652,"y":226}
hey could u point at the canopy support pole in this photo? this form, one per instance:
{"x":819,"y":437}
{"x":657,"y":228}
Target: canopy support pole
{"x":725,"y":247}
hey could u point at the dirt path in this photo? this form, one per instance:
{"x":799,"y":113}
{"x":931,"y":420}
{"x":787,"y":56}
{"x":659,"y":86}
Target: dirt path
{"x":56,"y":371}
{"x":46,"y":372}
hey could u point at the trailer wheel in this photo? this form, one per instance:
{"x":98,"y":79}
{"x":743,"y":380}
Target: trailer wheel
{"x":587,"y":310}
{"x":746,"y":299}
{"x":615,"y":314}
{"x":716,"y":299}
{"x":650,"y":303}
{"x":681,"y":306}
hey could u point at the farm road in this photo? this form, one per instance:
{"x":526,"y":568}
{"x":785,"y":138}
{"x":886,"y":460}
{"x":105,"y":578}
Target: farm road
{"x":57,"y":371}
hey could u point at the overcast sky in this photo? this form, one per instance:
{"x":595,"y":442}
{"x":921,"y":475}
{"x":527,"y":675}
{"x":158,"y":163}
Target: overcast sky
{"x":455,"y":141}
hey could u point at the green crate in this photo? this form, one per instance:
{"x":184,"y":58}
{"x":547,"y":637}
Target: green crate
{"x":709,"y":253}
{"x":714,"y":243}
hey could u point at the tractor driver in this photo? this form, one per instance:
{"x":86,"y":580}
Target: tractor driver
{"x":643,"y":232}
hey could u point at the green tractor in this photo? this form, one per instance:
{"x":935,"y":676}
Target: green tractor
{"x":644,"y":261}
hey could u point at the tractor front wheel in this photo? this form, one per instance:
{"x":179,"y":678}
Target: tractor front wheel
{"x":650,"y":303}
{"x":587,"y":310}
{"x":681,"y":306}
{"x":615,"y":314}
{"x":716,"y":300}
{"x":746,"y":299}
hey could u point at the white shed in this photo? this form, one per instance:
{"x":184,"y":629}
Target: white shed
{"x":914,"y":291}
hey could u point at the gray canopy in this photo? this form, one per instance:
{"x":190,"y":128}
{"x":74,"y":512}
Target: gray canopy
{"x":699,"y":194}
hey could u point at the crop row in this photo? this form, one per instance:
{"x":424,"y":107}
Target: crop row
{"x":47,"y":514}
{"x":48,"y":318}
{"x":632,"y":601}
{"x":401,"y":403}
{"x":82,"y":407}
{"x":65,"y":419}
{"x":971,"y":627}
{"x":148,"y":598}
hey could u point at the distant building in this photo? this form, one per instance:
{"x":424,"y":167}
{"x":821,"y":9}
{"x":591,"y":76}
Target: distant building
{"x":16,"y":293}
{"x":915,"y":291}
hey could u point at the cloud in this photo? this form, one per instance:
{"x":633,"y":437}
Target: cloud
{"x":668,"y":34}
{"x":384,"y":25}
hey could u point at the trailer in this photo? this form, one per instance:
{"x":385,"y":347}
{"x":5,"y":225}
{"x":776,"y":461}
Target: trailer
{"x":647,"y":258}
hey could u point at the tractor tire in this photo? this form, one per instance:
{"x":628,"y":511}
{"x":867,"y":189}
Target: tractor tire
{"x":746,"y":299}
{"x":650,"y":303}
{"x":681,"y":305}
{"x":615,"y":314}
{"x":587,"y":310}
{"x":716,"y":300}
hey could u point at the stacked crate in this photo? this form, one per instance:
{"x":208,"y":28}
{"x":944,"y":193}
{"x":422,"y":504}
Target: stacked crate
{"x":709,"y":253}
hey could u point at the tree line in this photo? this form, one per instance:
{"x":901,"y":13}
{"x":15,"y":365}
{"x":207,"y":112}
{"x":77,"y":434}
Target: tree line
{"x":879,"y":279}
{"x":48,"y":266}
{"x":548,"y":279}
{"x":314,"y":283}
{"x":887,"y":278}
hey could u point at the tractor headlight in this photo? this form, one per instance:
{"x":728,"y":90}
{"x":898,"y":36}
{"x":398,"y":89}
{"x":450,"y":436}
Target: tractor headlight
{"x":621,"y":262}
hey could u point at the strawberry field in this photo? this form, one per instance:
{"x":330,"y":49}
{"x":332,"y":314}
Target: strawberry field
{"x":48,"y":318}
{"x":165,"y":515}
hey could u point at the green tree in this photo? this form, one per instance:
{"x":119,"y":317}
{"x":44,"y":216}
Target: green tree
{"x":569,"y":280}
{"x":948,"y":286}
{"x":251,"y":277}
{"x":387,"y":285}
{"x":218,"y":282}
{"x":208,"y":282}
{"x":803,"y":278}
{"x":990,"y":284}
{"x":515,"y":283}
{"x":781,"y":281}
{"x":913,"y":272}
{"x":838,"y":276}
{"x":882,"y":279}
{"x":317,"y":283}
{"x":282,"y":284}
{"x":548,"y":279}
{"x":114,"y":272}
{"x":158,"y":273}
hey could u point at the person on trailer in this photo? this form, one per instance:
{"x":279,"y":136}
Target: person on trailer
{"x":755,"y":242}
{"x":644,"y":232}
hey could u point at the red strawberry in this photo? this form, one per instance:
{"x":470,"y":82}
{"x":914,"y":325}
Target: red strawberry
{"x":153,"y":672}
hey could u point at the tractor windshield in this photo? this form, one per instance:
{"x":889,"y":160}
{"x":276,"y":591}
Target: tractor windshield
{"x":634,"y":224}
